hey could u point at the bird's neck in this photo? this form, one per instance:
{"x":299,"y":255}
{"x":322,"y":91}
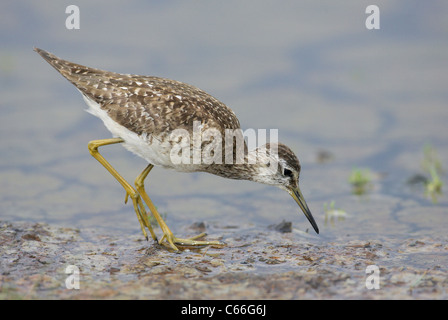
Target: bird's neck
{"x":256,"y":165}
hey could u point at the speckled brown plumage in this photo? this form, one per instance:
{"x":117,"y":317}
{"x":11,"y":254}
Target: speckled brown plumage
{"x":142,"y":111}
{"x":143,"y":104}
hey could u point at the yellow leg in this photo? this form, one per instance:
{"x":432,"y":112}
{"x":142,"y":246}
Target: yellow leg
{"x":136,"y":200}
{"x":167,"y":234}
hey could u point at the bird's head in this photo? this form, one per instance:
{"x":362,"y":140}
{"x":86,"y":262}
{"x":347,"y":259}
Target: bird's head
{"x":277,"y":165}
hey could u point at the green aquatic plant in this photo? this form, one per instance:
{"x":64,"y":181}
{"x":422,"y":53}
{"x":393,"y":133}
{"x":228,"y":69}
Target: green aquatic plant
{"x":432,"y":165}
{"x":434,"y":186}
{"x":332,"y":214}
{"x":360,"y":179}
{"x":431,"y":159}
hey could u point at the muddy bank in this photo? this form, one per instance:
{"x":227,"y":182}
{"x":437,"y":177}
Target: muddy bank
{"x":255,"y":264}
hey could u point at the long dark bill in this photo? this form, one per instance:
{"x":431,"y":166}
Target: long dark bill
{"x":297,"y":195}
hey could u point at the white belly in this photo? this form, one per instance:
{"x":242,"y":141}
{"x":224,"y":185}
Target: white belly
{"x":151,"y":149}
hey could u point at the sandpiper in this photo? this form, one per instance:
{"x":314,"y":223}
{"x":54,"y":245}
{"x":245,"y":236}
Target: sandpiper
{"x":141,"y":112}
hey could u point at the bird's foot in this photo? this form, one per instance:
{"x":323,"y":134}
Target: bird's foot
{"x":174,"y":242}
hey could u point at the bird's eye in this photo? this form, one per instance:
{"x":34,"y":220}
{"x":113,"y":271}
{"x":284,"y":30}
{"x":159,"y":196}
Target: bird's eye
{"x":287,"y":172}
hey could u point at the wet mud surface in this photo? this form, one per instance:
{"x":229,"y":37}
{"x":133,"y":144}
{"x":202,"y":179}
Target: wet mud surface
{"x":257,"y":263}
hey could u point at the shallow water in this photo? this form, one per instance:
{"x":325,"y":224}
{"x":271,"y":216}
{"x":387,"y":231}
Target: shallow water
{"x":371,"y":98}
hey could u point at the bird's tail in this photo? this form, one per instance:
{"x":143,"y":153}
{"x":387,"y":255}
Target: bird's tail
{"x":73,"y":72}
{"x":66,"y":68}
{"x":84,"y":78}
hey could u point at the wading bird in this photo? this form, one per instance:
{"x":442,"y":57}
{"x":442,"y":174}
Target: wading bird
{"x":141,"y":112}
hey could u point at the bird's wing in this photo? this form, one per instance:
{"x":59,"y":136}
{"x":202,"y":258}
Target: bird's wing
{"x":143,"y":104}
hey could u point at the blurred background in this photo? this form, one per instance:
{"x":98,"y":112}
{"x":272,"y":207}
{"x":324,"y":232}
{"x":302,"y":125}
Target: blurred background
{"x":358,"y":106}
